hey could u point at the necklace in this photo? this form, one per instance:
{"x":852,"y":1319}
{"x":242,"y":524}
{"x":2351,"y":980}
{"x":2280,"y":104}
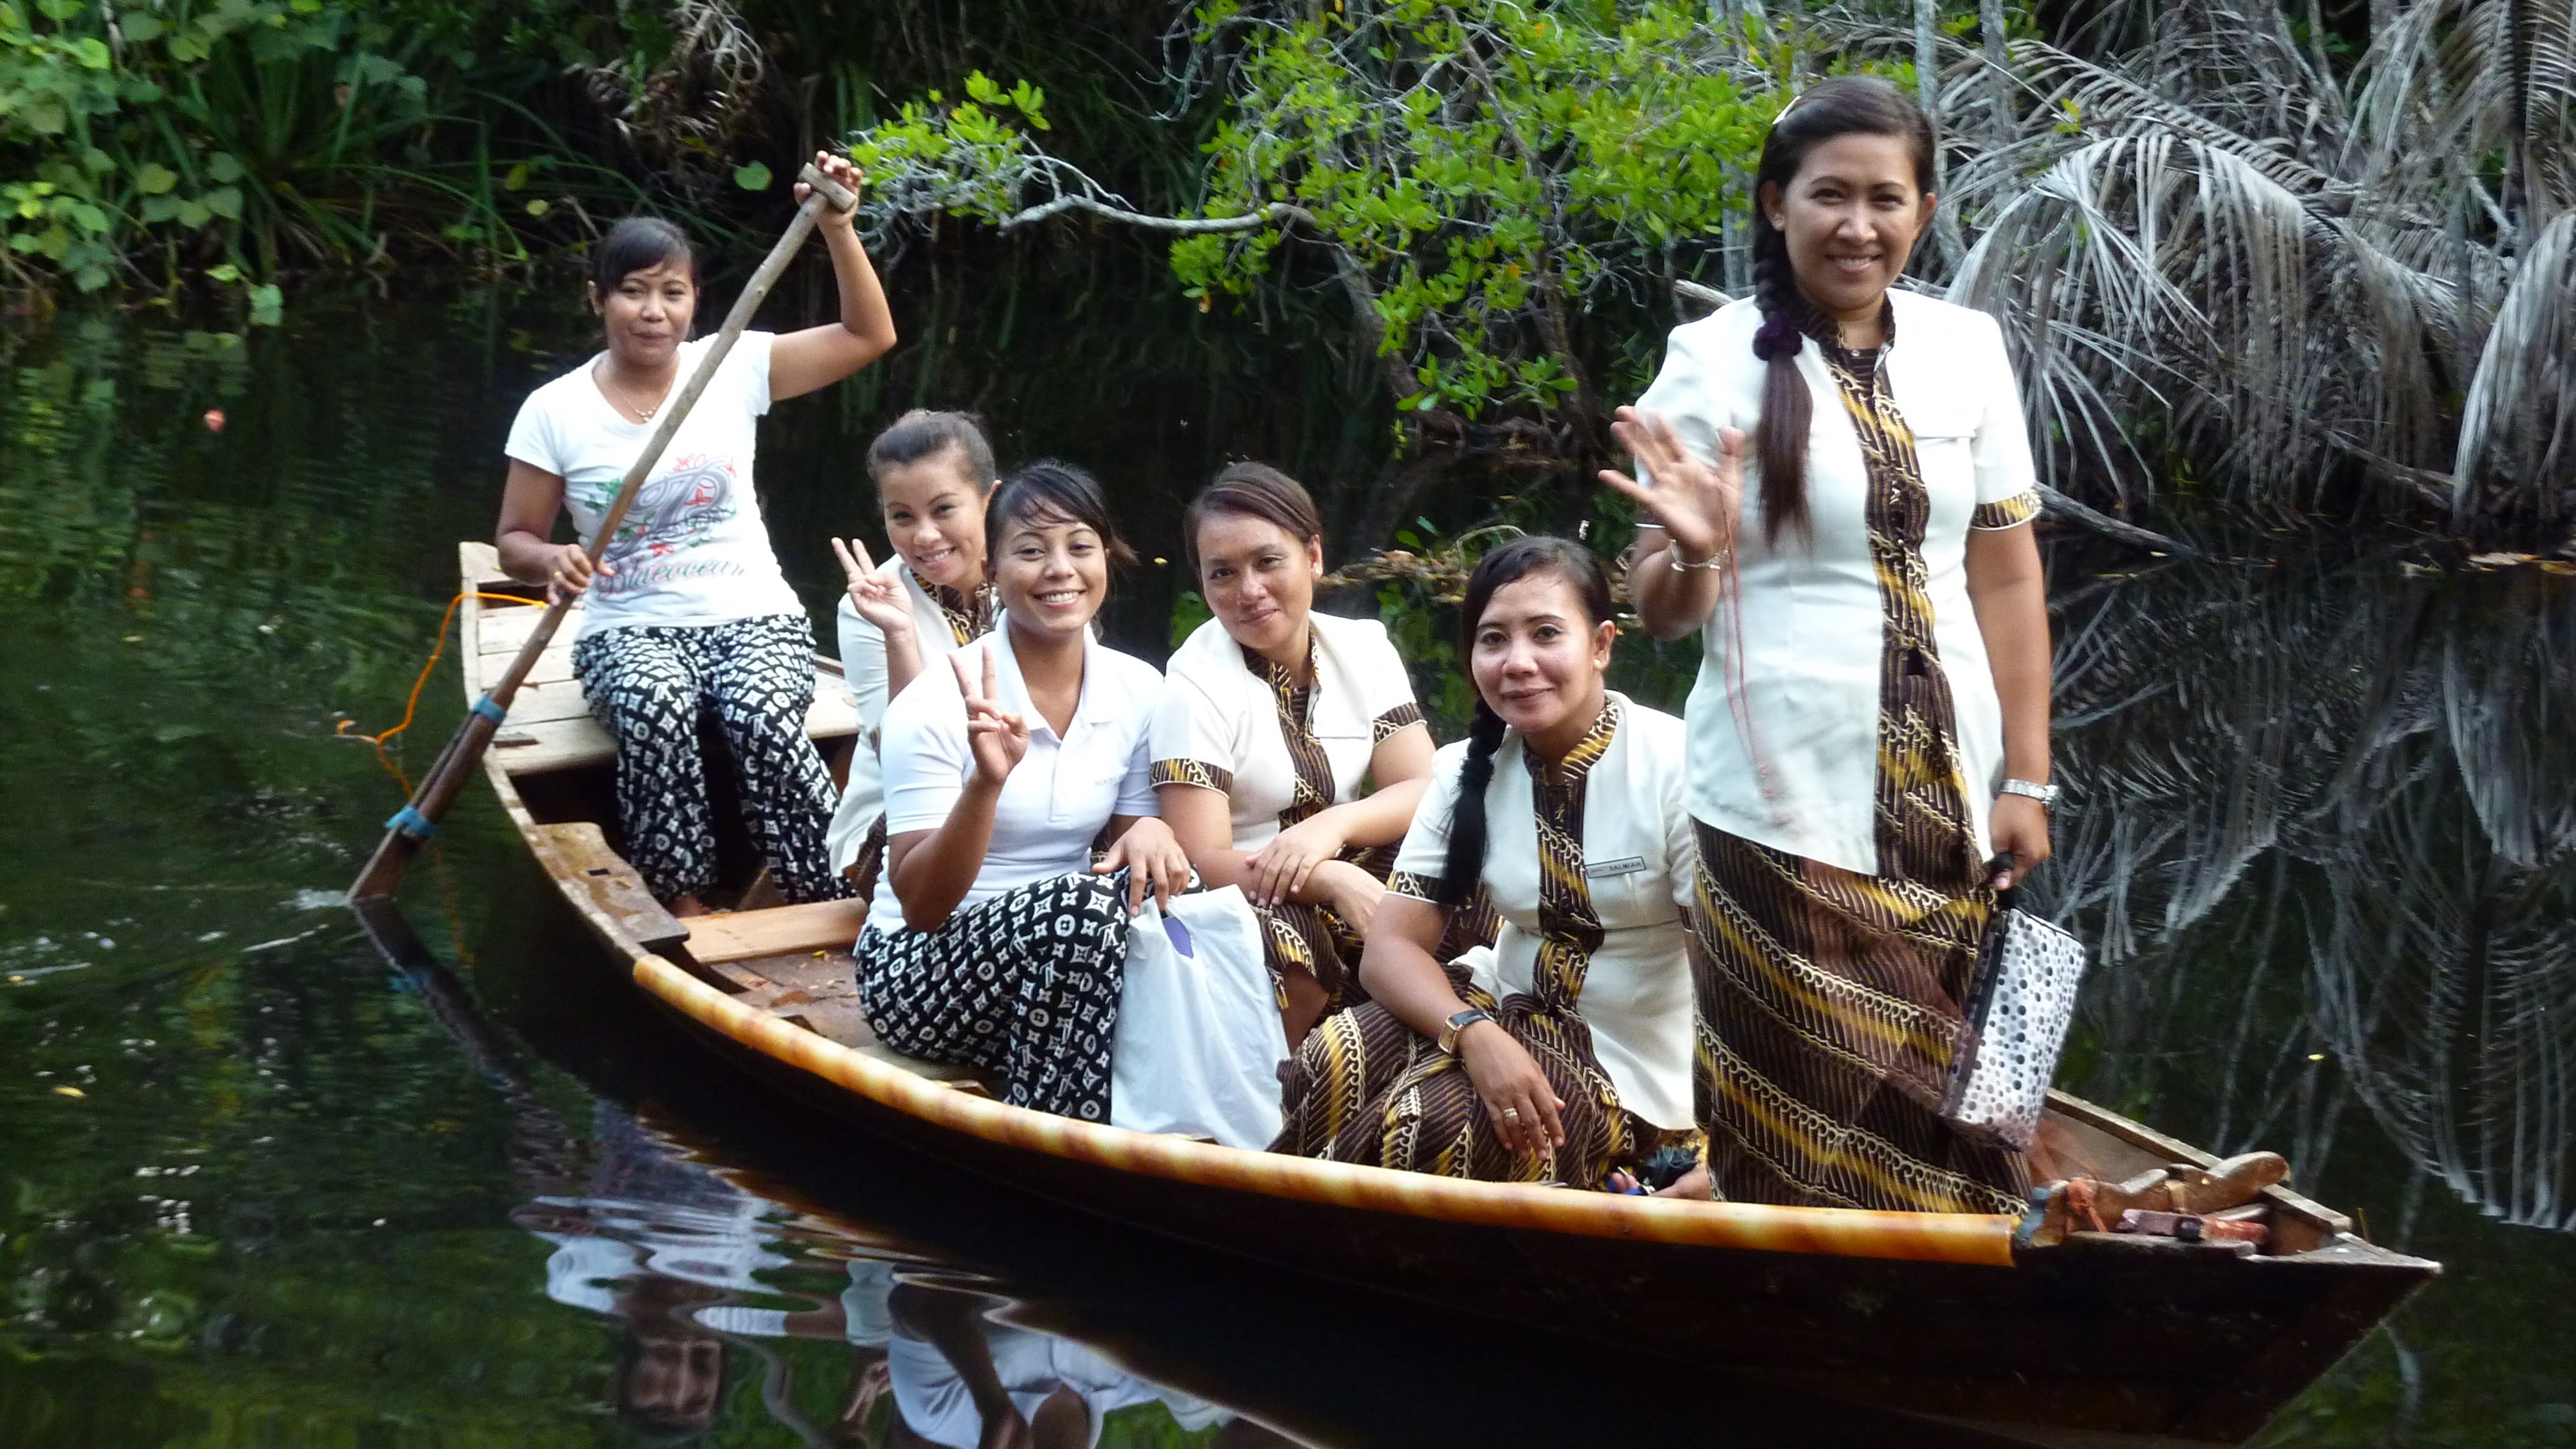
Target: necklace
{"x":642,"y":414}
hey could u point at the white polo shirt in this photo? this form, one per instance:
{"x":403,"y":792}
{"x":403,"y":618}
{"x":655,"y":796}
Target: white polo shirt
{"x":863,"y":670}
{"x":1059,"y":795}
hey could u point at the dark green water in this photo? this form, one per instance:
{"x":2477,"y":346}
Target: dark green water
{"x":259,"y":1186}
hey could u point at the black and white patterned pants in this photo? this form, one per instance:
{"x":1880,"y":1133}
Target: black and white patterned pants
{"x":1023,"y":986}
{"x":646,"y":685}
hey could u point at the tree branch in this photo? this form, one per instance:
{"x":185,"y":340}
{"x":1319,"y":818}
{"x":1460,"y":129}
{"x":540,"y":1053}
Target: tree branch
{"x":1276,"y":211}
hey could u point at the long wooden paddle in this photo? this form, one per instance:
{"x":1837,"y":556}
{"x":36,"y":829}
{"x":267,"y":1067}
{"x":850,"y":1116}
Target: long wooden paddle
{"x":418,"y":819}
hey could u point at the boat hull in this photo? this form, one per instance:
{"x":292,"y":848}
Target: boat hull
{"x":2101,"y":1341}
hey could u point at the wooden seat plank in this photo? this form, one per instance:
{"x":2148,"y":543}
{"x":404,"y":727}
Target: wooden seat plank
{"x":615,"y":889}
{"x":778,"y":931}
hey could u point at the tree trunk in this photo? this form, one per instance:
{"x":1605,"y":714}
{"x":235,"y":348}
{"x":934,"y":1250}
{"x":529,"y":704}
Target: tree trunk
{"x":1927,"y":90}
{"x":1990,"y":31}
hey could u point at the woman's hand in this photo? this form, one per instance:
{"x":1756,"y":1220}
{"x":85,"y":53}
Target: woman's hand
{"x":1153,"y":860}
{"x":569,"y":572}
{"x":878,"y":599}
{"x":1279,"y":870}
{"x":840,"y":170}
{"x":1694,"y":503}
{"x":1352,"y":893}
{"x":998,"y":738}
{"x":2019,"y":826}
{"x":1517,"y":1098}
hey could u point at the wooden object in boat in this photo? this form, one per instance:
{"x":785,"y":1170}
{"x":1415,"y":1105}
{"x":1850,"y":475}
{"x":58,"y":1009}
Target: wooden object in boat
{"x":2103,"y":1340}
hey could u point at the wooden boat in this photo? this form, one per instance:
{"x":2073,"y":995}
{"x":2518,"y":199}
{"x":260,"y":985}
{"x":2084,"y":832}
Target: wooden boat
{"x":2105,"y":1339}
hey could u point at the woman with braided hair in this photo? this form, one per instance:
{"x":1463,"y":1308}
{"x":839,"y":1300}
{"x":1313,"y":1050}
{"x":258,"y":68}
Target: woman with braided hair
{"x":1868,"y":736}
{"x":1561,"y":1052}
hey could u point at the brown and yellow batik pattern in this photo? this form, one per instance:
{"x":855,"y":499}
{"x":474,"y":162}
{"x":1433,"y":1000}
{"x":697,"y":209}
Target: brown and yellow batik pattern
{"x":1367,"y":1089}
{"x":1832,"y":1001}
{"x":969,"y":616}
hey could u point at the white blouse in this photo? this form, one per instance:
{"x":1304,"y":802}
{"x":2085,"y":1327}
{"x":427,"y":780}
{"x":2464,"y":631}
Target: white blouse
{"x":1784,"y":714}
{"x":1059,"y":795}
{"x":1638,"y":862}
{"x":692,"y":551}
{"x":1218,"y":724}
{"x":863,"y":670}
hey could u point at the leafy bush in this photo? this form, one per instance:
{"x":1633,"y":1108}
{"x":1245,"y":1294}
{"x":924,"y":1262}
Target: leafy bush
{"x":242,"y":136}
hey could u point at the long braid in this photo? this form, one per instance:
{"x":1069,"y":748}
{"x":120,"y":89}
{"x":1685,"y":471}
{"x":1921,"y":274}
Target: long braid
{"x":1465,"y":867}
{"x":1788,"y":411}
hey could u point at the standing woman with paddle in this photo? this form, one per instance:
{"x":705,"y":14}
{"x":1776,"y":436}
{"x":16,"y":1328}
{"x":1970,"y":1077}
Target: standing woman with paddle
{"x":688,"y":610}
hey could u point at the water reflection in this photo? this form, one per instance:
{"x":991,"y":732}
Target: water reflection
{"x":2324,"y":829}
{"x":690,"y":1265}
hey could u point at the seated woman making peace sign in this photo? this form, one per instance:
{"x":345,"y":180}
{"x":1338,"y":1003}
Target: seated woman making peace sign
{"x":993,"y":941}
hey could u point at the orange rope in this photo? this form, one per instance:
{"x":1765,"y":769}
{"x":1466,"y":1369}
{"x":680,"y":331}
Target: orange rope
{"x":411,"y":706}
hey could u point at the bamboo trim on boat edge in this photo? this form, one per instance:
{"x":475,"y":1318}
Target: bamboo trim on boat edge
{"x":1964,"y":1238}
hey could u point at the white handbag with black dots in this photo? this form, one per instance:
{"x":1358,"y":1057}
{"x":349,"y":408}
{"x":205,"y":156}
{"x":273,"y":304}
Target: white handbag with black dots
{"x":2019,"y":1009}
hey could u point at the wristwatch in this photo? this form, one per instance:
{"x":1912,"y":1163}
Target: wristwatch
{"x":1449,"y":1029}
{"x":2046,"y":795}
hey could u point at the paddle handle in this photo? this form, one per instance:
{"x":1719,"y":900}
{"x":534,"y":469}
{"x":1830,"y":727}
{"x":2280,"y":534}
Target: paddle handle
{"x":438,"y":789}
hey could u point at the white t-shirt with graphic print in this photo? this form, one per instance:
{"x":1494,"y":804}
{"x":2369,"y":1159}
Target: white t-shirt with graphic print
{"x":693,"y":549}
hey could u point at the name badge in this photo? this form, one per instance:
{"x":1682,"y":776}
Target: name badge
{"x":1624,"y":865}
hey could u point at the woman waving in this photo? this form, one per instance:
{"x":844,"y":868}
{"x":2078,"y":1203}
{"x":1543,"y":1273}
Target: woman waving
{"x":1870,"y":723}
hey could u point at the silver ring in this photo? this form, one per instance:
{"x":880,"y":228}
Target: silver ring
{"x":1511,"y":1114}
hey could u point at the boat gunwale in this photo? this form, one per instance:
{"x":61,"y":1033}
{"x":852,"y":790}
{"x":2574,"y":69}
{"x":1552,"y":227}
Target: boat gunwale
{"x":1967,"y":1239}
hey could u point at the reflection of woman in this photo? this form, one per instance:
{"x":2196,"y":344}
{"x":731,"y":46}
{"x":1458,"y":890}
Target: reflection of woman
{"x":1875,"y":668}
{"x":962,"y":1379}
{"x":932,"y":473}
{"x":993,"y":940}
{"x":689,"y":611}
{"x":1271,"y":715}
{"x":1563,"y":1051}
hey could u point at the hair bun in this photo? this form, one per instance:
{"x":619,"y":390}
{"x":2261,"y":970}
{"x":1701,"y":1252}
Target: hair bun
{"x":1778,"y":337}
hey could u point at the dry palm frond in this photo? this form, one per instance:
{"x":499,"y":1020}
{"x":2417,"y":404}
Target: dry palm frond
{"x":2517,"y":449}
{"x":683,"y":109}
{"x":2281,"y":342}
{"x":2455,"y":83}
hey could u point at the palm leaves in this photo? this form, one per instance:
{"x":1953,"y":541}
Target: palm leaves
{"x":2220,"y":264}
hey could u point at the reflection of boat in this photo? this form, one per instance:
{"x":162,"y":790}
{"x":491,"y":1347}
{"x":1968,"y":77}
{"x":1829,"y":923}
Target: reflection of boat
{"x":2105,"y":1339}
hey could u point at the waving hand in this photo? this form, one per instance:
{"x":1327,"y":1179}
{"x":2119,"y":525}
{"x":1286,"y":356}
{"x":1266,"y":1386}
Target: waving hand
{"x":1690,"y":500}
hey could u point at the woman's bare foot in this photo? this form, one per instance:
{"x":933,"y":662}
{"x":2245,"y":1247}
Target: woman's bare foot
{"x":685,"y":905}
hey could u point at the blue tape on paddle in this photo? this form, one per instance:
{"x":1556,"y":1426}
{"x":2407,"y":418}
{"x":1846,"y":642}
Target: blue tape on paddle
{"x":412,"y":823}
{"x":493,"y":712}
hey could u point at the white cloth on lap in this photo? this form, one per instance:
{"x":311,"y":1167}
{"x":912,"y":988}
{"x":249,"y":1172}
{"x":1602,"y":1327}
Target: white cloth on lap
{"x":1060,"y":794}
{"x":1199,"y":1039}
{"x":693,"y":550}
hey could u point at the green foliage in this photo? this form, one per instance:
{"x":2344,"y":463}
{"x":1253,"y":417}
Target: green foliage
{"x":261,"y":134}
{"x":1482,"y":174}
{"x":964,"y":158}
{"x":1490,"y":166}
